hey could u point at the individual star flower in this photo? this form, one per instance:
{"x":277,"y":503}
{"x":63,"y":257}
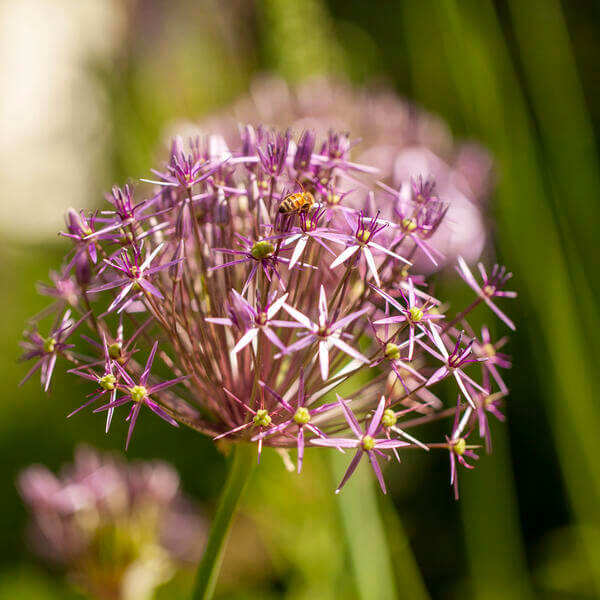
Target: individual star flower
{"x":326,"y":333}
{"x":300,"y":419}
{"x":139,"y":393}
{"x":488,"y":403}
{"x":134,"y":276}
{"x":389,"y":422}
{"x":334,"y":154}
{"x":47,"y":349}
{"x":391,"y":352}
{"x":186,"y":169}
{"x":490,"y":287}
{"x":494,"y":359}
{"x":453,"y":362}
{"x":259,"y":253}
{"x":363,"y":242}
{"x":418,"y":221}
{"x":365,"y":442}
{"x":80,"y":228}
{"x":458,"y":448}
{"x":260,"y":320}
{"x":107,"y":382}
{"x":272,"y":157}
{"x":304,"y":150}
{"x":261,"y":418}
{"x":423,"y":190}
{"x":64,"y":288}
{"x":309,"y":230}
{"x":126,"y":213}
{"x":414,"y":314}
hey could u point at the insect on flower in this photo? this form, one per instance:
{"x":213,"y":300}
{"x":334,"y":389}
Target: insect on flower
{"x":297,"y":202}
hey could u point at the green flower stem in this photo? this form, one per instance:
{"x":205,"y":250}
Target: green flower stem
{"x":241,"y":466}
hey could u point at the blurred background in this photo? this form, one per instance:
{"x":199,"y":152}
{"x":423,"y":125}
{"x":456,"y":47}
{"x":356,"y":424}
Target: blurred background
{"x":90,"y":92}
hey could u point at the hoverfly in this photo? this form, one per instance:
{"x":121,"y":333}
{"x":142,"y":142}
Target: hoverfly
{"x":297,"y":202}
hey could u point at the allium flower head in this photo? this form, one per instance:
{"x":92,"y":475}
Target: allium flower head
{"x":243,"y":326}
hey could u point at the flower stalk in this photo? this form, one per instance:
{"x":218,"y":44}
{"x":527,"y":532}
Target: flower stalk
{"x":241,"y":466}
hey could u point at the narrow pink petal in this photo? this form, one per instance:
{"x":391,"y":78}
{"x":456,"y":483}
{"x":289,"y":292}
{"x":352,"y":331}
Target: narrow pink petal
{"x":350,"y":418}
{"x":348,"y":349}
{"x":159,"y":387}
{"x":348,"y":319}
{"x":113,"y":404}
{"x":377,"y":470}
{"x":347,"y":253}
{"x":462,"y":387}
{"x":438,"y":375}
{"x":374,"y":424}
{"x":245,"y":339}
{"x":298,"y":251}
{"x":108,"y":286}
{"x":371,"y":264}
{"x":323,"y":315}
{"x":300,"y":317}
{"x":270,"y":334}
{"x":157,"y":410}
{"x":435,"y":336}
{"x":148,"y":366}
{"x":499,"y":313}
{"x":390,"y":320}
{"x":271,"y":431}
{"x":389,"y":299}
{"x":149,"y":287}
{"x":85,"y":404}
{"x":301,"y":343}
{"x":300,"y":448}
{"x":120,"y":297}
{"x":335,"y":442}
{"x":324,"y":359}
{"x":389,"y":252}
{"x":47,"y":370}
{"x":234,"y":430}
{"x":351,"y":468}
{"x":135,"y":411}
{"x":276,"y":306}
{"x":388,"y":444}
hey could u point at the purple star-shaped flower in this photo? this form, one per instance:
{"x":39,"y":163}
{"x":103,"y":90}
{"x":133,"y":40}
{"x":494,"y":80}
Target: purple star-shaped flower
{"x":134,"y":276}
{"x":365,"y":442}
{"x":259,"y":253}
{"x":259,"y":320}
{"x":488,"y":403}
{"x":301,"y":417}
{"x":362,"y":241}
{"x":139,"y":393}
{"x":490,"y":287}
{"x":309,"y":230}
{"x":46,"y":350}
{"x":261,"y":418}
{"x":419,"y":220}
{"x":326,"y":333}
{"x":457,"y":446}
{"x":494,"y":359}
{"x":459,"y":357}
{"x":414,"y":314}
{"x":107,"y":382}
{"x":186,"y":169}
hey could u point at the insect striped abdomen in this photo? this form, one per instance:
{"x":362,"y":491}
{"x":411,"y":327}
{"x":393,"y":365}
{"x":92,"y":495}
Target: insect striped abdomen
{"x":300,"y":201}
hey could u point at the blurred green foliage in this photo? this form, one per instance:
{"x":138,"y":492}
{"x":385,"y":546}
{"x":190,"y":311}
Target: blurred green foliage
{"x":515,"y":76}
